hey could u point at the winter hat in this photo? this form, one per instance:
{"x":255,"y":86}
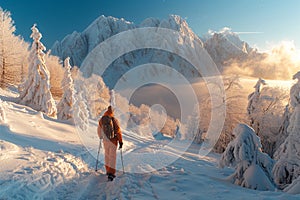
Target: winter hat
{"x":109,"y":111}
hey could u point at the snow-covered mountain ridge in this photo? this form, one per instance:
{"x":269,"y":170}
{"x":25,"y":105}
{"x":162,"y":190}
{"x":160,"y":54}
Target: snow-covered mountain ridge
{"x":221,"y":46}
{"x":225,"y":45}
{"x":78,"y":45}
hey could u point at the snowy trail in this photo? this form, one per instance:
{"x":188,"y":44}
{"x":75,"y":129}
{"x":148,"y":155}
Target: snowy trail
{"x":37,"y":173}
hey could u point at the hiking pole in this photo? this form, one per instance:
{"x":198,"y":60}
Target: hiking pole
{"x":98,"y":155}
{"x":122,"y":161}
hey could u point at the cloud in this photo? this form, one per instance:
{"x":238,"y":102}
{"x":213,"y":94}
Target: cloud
{"x":221,"y":31}
{"x":281,"y":62}
{"x":248,"y":32}
{"x":228,"y":30}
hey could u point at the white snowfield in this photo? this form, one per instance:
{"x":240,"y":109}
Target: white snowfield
{"x":43,"y":158}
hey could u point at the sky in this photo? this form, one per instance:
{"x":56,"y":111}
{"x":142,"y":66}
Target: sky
{"x":259,"y":22}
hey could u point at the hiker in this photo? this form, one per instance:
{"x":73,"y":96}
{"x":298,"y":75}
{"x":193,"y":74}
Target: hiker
{"x":109,"y":130}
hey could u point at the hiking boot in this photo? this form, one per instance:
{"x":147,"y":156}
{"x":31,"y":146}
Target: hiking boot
{"x":111,"y":177}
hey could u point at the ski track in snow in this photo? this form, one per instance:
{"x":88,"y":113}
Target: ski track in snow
{"x":43,"y":158}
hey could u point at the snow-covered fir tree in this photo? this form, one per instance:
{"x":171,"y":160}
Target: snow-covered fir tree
{"x":80,"y":108}
{"x":64,"y":107}
{"x":253,"y":169}
{"x":158,"y":118}
{"x":287,"y":167}
{"x":35,"y":91}
{"x":80,"y":111}
{"x":253,"y":100}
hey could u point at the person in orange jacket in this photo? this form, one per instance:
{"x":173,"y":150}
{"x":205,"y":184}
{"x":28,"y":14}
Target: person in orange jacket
{"x":110,"y":144}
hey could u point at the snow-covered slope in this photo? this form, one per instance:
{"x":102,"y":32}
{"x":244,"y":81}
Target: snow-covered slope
{"x":43,"y":158}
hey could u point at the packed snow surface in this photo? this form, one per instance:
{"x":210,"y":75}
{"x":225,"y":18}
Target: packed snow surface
{"x":44,"y":158}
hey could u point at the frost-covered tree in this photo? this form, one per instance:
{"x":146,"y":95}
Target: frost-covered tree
{"x":287,"y":155}
{"x":253,"y":169}
{"x":35,"y":91}
{"x":233,"y":103}
{"x":192,"y":127}
{"x":269,"y":117}
{"x":252,"y":107}
{"x":57,"y":71}
{"x":80,"y":111}
{"x":97,"y":94}
{"x":235,"y":110}
{"x":64,"y":107}
{"x":13,"y":52}
{"x":287,"y":167}
{"x":169,"y":126}
{"x":81,"y":108}
{"x":143,"y":120}
{"x":264,"y":109}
